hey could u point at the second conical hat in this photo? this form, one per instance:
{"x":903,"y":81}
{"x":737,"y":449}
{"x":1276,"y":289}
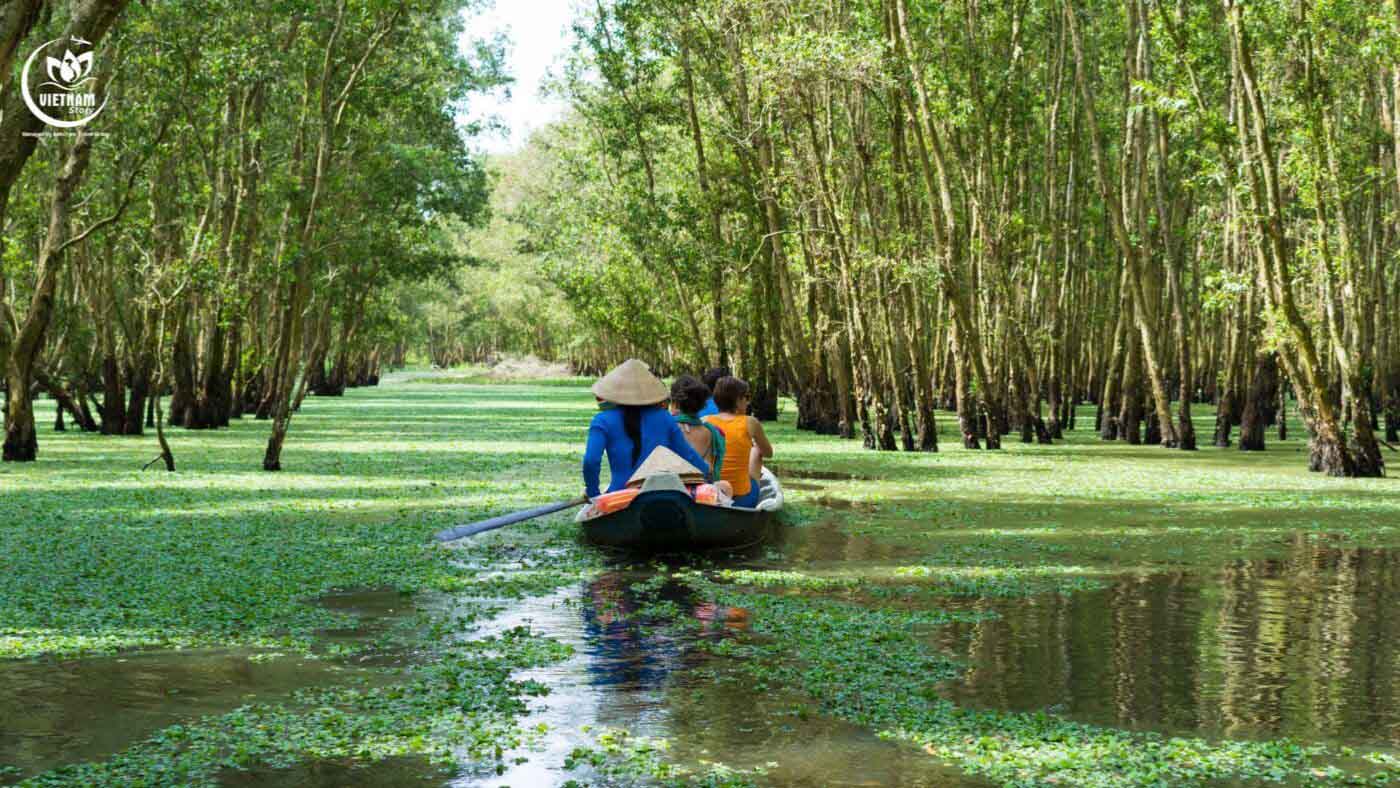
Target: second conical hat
{"x":631,"y":383}
{"x":663,"y":460}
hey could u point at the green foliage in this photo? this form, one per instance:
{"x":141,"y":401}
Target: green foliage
{"x":620,"y":756}
{"x":497,"y":297}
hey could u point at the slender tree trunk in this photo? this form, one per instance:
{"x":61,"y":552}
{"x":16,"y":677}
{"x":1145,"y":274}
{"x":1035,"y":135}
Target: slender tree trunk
{"x":65,"y":401}
{"x":1329,"y":452}
{"x":21,"y":440}
{"x":1128,"y":247}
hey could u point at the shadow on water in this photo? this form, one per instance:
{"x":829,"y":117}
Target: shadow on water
{"x":54,"y":712}
{"x":1306,"y":646}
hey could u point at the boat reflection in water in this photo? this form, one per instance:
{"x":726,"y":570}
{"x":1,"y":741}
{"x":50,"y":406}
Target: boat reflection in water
{"x":632,"y":639}
{"x":648,"y":673}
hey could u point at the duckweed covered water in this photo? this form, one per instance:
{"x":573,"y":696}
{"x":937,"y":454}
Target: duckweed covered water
{"x":645,"y":662}
{"x":1076,"y":614}
{"x":59,"y":711}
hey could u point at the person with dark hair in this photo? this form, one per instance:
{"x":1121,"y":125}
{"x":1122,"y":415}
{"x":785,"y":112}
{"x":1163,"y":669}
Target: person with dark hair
{"x":710,"y":378}
{"x":688,"y":396}
{"x":745,"y":444}
{"x":631,"y":425}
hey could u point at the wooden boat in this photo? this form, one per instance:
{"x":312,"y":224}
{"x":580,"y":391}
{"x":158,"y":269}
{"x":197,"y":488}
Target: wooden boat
{"x":664,"y":519}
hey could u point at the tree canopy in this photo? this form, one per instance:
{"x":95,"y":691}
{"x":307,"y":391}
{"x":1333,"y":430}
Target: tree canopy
{"x":1002,"y":209}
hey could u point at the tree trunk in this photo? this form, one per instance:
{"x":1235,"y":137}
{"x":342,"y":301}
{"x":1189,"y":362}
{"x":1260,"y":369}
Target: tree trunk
{"x":66,"y":402}
{"x":21,"y":441}
{"x":182,"y":363}
{"x":1130,"y":413}
{"x":1107,"y":420}
{"x":1262,"y":390}
{"x":1392,"y":404}
{"x":1330,"y":454}
{"x":139,"y":376}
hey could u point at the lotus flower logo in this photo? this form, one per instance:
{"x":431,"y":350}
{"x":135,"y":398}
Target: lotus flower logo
{"x":70,"y":70}
{"x":61,"y":91}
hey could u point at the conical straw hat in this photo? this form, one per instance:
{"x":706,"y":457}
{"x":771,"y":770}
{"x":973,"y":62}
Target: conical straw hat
{"x":663,"y":460}
{"x":631,"y":383}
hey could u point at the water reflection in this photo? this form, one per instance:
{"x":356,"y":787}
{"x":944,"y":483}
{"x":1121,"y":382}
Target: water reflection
{"x":632,"y":671}
{"x":630,"y":647}
{"x":1306,"y":646}
{"x":826,"y":544}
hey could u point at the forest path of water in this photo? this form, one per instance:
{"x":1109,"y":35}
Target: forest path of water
{"x":1218,"y":596}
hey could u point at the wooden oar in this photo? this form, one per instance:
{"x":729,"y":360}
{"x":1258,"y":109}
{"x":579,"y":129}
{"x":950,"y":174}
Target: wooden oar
{"x":472,"y":529}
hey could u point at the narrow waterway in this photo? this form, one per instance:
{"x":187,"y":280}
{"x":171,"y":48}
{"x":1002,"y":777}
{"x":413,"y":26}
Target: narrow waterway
{"x":1303,"y":645}
{"x":640,"y":674}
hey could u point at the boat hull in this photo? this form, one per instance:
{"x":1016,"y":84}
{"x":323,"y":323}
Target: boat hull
{"x":665,"y":521}
{"x":661,"y":521}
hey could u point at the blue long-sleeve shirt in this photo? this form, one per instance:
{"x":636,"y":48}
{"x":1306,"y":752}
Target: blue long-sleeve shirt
{"x":607,"y":434}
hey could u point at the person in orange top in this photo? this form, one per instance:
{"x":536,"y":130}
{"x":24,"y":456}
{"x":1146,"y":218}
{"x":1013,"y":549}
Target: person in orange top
{"x":745,"y":444}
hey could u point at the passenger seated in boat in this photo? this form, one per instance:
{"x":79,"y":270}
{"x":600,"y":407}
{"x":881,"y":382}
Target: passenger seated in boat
{"x":688,"y":397}
{"x":632,"y":423}
{"x":710,"y":378}
{"x":745,"y":444}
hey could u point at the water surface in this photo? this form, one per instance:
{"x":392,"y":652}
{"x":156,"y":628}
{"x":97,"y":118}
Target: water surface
{"x":54,"y":712}
{"x":1305,"y":646}
{"x":631,"y":672}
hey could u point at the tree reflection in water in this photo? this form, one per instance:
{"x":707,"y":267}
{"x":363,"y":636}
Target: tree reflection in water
{"x":1306,"y":646}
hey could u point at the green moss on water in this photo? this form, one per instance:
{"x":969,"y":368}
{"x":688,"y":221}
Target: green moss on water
{"x":102,"y":557}
{"x":463,"y":704}
{"x":874,"y":668}
{"x":616,"y":755}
